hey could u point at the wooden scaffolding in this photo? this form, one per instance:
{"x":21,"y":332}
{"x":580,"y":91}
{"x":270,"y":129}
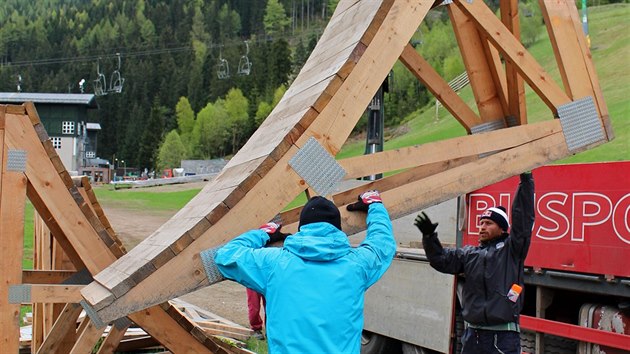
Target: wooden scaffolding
{"x":83,"y":243}
{"x":293,"y":150}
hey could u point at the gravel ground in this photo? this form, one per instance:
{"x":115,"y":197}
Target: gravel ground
{"x":226,"y":299}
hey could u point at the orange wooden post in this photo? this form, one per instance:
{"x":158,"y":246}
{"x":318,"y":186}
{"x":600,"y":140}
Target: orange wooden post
{"x":12,"y":201}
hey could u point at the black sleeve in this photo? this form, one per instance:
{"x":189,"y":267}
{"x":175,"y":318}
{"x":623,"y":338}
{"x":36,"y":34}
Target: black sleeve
{"x":522,"y":217}
{"x":444,"y":260}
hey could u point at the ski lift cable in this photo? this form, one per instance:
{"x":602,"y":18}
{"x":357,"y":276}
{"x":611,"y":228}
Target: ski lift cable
{"x":128,"y":53}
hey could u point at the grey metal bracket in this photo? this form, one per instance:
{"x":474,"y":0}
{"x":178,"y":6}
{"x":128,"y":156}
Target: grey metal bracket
{"x":20,"y":294}
{"x":16,"y":160}
{"x":580,"y":123}
{"x":488,"y":126}
{"x":91,"y":313}
{"x":210,"y":267}
{"x":317,"y":167}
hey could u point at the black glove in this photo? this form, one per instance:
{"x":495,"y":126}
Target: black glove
{"x":273,"y":230}
{"x":424,"y":224}
{"x":365,"y":199}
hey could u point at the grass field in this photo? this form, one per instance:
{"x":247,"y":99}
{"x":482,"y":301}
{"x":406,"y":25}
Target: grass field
{"x":610,"y":47}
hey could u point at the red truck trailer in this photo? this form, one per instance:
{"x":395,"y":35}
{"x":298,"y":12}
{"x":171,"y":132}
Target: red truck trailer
{"x":577,"y":272}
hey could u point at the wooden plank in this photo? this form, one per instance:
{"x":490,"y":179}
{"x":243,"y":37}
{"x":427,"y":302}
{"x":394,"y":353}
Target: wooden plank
{"x":46,"y":276}
{"x":590,"y":66}
{"x":167,"y":331}
{"x":423,"y":71}
{"x":459,"y":180}
{"x":567,"y":40}
{"x":538,"y":79}
{"x":52,"y":192}
{"x":392,"y":160}
{"x":65,"y":324}
{"x":54,"y":228}
{"x":515,"y":84}
{"x":112,"y":340}
{"x":334,"y":124}
{"x":563,"y":38}
{"x":88,"y":337}
{"x":479,"y":72}
{"x":55,"y":293}
{"x":225,"y":327}
{"x":12,"y":202}
{"x":291,"y":217}
{"x":497,"y":72}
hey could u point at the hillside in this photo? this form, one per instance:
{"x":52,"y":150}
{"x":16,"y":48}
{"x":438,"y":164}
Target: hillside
{"x":610,"y":47}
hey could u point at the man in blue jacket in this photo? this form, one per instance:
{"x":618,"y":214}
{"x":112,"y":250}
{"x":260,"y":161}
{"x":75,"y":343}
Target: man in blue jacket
{"x":492,"y":299}
{"x":315,"y":283}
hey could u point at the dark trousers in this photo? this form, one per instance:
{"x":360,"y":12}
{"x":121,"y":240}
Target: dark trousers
{"x":480,"y":341}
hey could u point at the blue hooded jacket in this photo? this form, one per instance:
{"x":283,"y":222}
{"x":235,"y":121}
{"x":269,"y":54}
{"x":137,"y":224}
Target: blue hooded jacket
{"x":315,"y":284}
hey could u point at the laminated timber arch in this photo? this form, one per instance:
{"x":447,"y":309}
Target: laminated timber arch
{"x":360,"y":45}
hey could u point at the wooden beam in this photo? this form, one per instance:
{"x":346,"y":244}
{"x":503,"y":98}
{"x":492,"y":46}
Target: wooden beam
{"x":12,"y":202}
{"x":567,"y":40}
{"x":423,"y":71}
{"x":515,"y":83}
{"x":512,"y":50}
{"x":455,"y":181}
{"x":52,"y":191}
{"x":497,"y":72}
{"x":55,"y":293}
{"x":46,"y":276}
{"x":290,"y":218}
{"x":563,"y":38}
{"x":112,"y":340}
{"x":88,"y":336}
{"x":590,"y":66}
{"x":417,"y":155}
{"x":479,"y":71}
{"x":65,"y":324}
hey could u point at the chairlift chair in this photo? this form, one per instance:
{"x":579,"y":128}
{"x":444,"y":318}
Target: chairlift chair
{"x":100,"y":84}
{"x":223,"y":68}
{"x":116,"y":82}
{"x":244,"y":65}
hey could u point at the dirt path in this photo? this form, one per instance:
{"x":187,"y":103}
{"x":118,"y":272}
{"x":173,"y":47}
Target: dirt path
{"x":226,"y":299}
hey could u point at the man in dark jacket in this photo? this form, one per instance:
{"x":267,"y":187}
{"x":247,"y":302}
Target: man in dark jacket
{"x":491,"y":301}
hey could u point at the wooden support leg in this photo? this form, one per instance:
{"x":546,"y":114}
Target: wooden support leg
{"x":112,"y":340}
{"x":88,"y":337}
{"x":65,"y":324}
{"x":12,"y":201}
{"x":479,"y":72}
{"x":515,"y":83}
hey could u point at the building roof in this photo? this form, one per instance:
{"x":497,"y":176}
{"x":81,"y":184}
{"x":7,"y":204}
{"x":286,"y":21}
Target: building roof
{"x":86,"y":99}
{"x":92,"y":126}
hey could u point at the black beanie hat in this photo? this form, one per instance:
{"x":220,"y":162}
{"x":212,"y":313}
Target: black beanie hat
{"x":320,"y":209}
{"x":497,"y":215}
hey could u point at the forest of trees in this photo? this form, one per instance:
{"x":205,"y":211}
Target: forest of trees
{"x":173,"y":57}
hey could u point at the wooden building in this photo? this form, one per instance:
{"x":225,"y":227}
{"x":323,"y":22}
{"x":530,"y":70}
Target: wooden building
{"x":65,"y":117}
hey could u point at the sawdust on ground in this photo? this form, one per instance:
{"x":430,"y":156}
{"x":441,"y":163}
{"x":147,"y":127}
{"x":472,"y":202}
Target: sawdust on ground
{"x":226,"y":299}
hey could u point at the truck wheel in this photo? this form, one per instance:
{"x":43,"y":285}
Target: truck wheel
{"x":414,"y":349}
{"x":372,"y":343}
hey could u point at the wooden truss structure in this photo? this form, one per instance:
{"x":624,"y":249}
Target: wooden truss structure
{"x":292,"y":151}
{"x":83,"y":244}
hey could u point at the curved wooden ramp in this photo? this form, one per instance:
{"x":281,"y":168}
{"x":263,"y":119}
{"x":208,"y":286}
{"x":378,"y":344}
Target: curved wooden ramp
{"x":354,"y":55}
